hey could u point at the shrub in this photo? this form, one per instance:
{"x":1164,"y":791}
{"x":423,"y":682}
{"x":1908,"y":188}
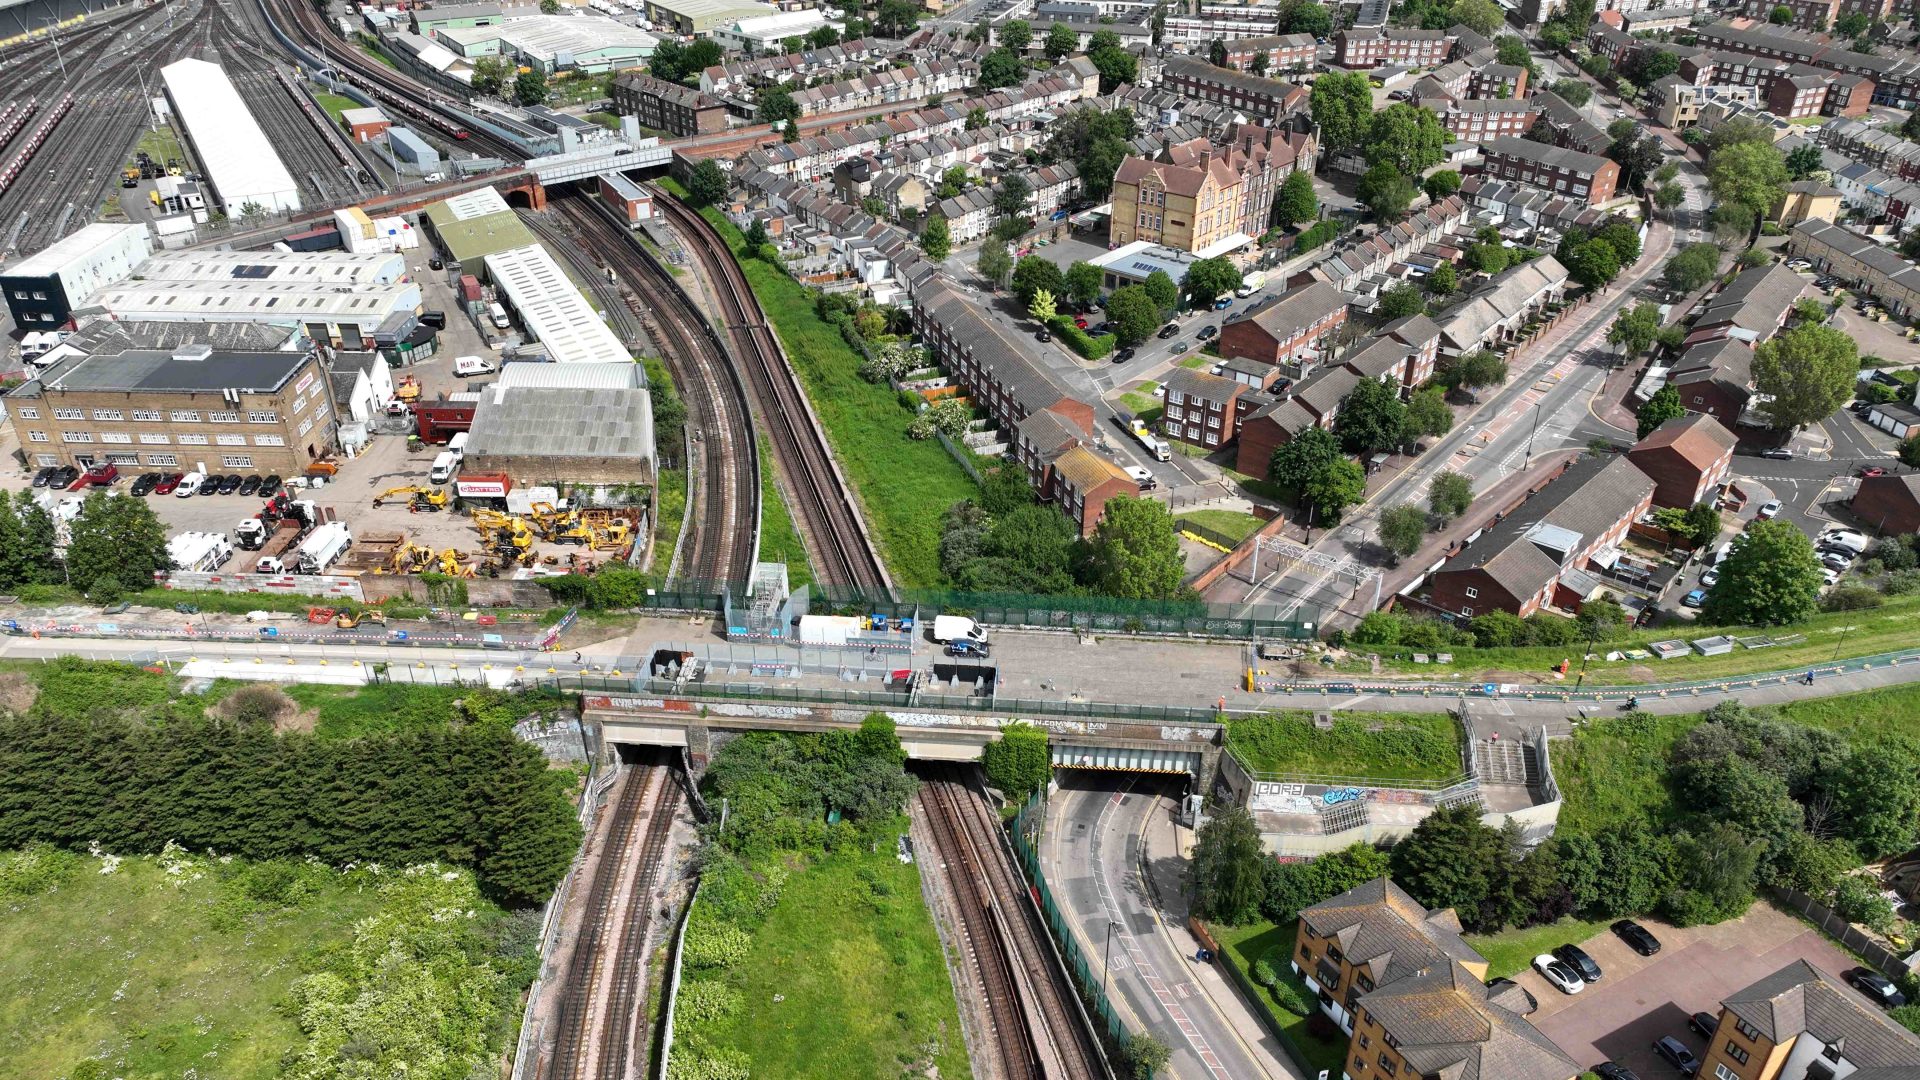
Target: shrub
{"x":106,"y":589}
{"x":1087,"y":345}
{"x":1856,"y":900}
{"x":711,"y":945}
{"x":1852,"y":598}
{"x":258,"y":703}
{"x":1292,"y":995}
{"x":1263,"y":971}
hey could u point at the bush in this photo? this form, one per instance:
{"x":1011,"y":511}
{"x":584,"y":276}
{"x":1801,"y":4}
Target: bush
{"x":1263,"y":971}
{"x":1852,"y":598}
{"x":106,"y":589}
{"x":1018,"y":763}
{"x":1857,"y":900}
{"x":1087,"y":345}
{"x":1291,"y":995}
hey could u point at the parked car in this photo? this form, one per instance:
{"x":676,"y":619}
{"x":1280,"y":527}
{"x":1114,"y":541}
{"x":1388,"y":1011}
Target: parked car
{"x":1829,"y":575}
{"x":45,"y":476}
{"x":1877,"y":987}
{"x":1142,"y":477}
{"x":1836,"y":560}
{"x":270,"y":486}
{"x":1703,"y":1024}
{"x":64,"y":477}
{"x":230,"y":483}
{"x":1576,"y":958}
{"x":1607,"y":1070}
{"x":1637,"y":937}
{"x":1043,"y":335}
{"x":1496,"y":985}
{"x":1223,"y":303}
{"x":1080,"y":321}
{"x":167,"y":484}
{"x":1696,"y":598}
{"x":250,"y":485}
{"x":1869,"y":471}
{"x":143,"y":484}
{"x":1769,"y":509}
{"x":1169,"y":330}
{"x":1676,"y":1054}
{"x":1558,"y":974}
{"x":1208,"y":332}
{"x":1711,"y":575}
{"x":1777,"y":453}
{"x":1179,"y":347}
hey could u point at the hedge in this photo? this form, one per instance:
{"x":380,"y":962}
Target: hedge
{"x":1087,"y":345}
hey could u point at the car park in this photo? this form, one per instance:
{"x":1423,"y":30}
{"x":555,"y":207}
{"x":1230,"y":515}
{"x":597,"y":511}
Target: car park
{"x":1877,"y":987}
{"x":1709,"y":576}
{"x":143,"y":484}
{"x":1576,"y":958}
{"x":1637,"y":937}
{"x":230,"y":483}
{"x":1769,"y":509}
{"x":65,"y":477}
{"x":1562,"y":977}
{"x":1696,"y":598}
{"x":1829,"y":575}
{"x":190,"y":484}
{"x":1675,"y":1053}
{"x":1703,"y":1024}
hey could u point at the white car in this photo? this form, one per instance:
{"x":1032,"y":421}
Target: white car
{"x":1830,"y":574}
{"x":1558,"y":973}
{"x":1139,"y":473}
{"x":1836,"y":560}
{"x":1712,"y":575}
{"x":1769,"y":509}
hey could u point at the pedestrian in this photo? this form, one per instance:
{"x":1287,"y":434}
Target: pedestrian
{"x":1809,"y":678}
{"x":576,"y":656}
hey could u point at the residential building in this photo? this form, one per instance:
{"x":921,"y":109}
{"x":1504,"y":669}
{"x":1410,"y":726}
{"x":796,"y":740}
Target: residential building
{"x":1752,"y":308}
{"x":1373,"y":936}
{"x":1349,"y":268}
{"x":1497,"y":81}
{"x":1688,"y":458}
{"x":1135,"y":37}
{"x":1196,"y":32}
{"x":189,"y":406}
{"x":1871,"y":145}
{"x":1495,"y":313}
{"x":1869,"y":268}
{"x":1896,"y":77}
{"x":1445,"y":1021}
{"x":1528,"y":208}
{"x":1519,"y":564}
{"x":1314,"y":402}
{"x":1259,"y":98}
{"x":669,"y":107}
{"x":1786,"y":88}
{"x":1715,"y":377}
{"x":1891,"y":503}
{"x":1205,"y":198}
{"x":1568,"y":126}
{"x":1204,"y":409}
{"x":1801,"y":1023}
{"x":1288,"y":330}
{"x":1083,"y":483}
{"x":1285,"y":53}
{"x":1814,"y":15}
{"x":1481,"y":120}
{"x":1807,"y":200}
{"x":1582,"y":176}
{"x":1038,"y":441}
{"x":1682,"y":104}
{"x":1397,"y":46}
{"x":909,"y":85}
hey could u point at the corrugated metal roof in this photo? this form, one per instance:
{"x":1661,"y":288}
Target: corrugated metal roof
{"x":625,"y":375}
{"x":552,"y":308}
{"x":239,"y":159}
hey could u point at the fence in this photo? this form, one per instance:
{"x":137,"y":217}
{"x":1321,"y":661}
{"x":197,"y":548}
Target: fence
{"x":1868,"y":948}
{"x":1026,"y":825}
{"x":1255,"y":996}
{"x":673,"y":982}
{"x":960,"y":457}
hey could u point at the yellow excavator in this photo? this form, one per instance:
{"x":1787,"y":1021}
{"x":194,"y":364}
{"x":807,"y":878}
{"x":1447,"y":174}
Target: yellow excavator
{"x":410,"y":559}
{"x":426,"y":499}
{"x":347,"y":619}
{"x":611,"y":536}
{"x":453,"y":563}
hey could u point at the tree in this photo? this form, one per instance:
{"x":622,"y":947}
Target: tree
{"x":708,"y":184}
{"x":1060,"y":41}
{"x":1010,"y":198}
{"x":1034,"y":273}
{"x":1133,"y":314}
{"x":1134,"y":552}
{"x":1427,"y":412}
{"x":1401,"y":301}
{"x":1693,"y":268}
{"x":1146,"y":1055}
{"x":1592,"y":263}
{"x":1385,"y":192}
{"x":1371,"y":418}
{"x":1443,"y":280}
{"x":1402,"y":529}
{"x":793,"y":44}
{"x":1781,"y":15}
{"x":936,"y":238}
{"x":1166,"y":295}
{"x":994,"y":264}
{"x":1041,"y":306}
{"x":1510,"y":50}
{"x":1715,"y":878}
{"x":1296,"y":201}
{"x":1749,"y":174}
{"x":1115,"y":64}
{"x":1210,"y":279}
{"x":1876,"y":798}
{"x":1803,"y":162}
{"x":1809,"y":372}
{"x":1451,"y":859}
{"x":1291,"y":887}
{"x":822,"y":37}
{"x":1217,"y":54}
{"x":1016,"y":34}
{"x":118,"y":539}
{"x":756,"y":237}
{"x":1483,"y":17}
{"x":490,"y":74}
{"x":1441,"y":184}
{"x":1663,"y":406}
{"x":1018,"y":763}
{"x":1634,"y":328}
{"x":1226,"y":869}
{"x":896,"y":18}
{"x":1770,"y":577}
{"x":1259,"y":64}
{"x":1637,"y":866}
{"x":1001,"y":68}
{"x":1638,"y":156}
{"x":1408,"y":137}
{"x":1488,"y":258}
{"x":1083,"y":282}
{"x":1305,"y":17}
{"x":775,"y":105}
{"x":1644,"y":67}
{"x":530,"y":87}
{"x":1909,"y":451}
{"x":1341,"y":102}
{"x":952,"y":182}
{"x":1337,"y":485}
{"x":1573,"y":92}
{"x":1450,"y":494}
{"x":1667,"y":196}
{"x":1477,"y":368}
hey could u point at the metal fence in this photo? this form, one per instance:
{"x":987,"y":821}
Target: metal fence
{"x":1027,"y":825}
{"x":1873,"y":950}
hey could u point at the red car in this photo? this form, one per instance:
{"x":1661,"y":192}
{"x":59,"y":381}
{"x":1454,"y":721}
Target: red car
{"x":103,"y":474}
{"x":1080,"y":321}
{"x":167,"y":483}
{"x":1872,"y":470}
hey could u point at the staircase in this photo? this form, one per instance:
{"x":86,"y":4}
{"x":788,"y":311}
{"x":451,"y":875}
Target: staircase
{"x":1504,"y":762}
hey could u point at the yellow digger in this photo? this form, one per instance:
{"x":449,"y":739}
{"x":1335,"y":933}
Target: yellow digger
{"x":426,"y":499}
{"x":453,"y":563}
{"x":347,"y":619}
{"x":410,"y":559}
{"x":611,"y":536}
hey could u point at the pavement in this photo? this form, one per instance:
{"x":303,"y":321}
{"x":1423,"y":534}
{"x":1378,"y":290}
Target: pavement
{"x":1114,"y":858}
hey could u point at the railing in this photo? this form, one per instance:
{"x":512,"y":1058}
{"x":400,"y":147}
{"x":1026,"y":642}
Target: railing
{"x":1254,"y":996}
{"x":673,"y":983}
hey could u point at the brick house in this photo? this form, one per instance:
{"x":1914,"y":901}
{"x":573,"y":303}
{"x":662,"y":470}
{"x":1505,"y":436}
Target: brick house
{"x":1801,"y":1022}
{"x":1371,"y":936}
{"x":669,"y":107}
{"x":1402,"y":47}
{"x":1286,"y":330}
{"x":1716,"y":378}
{"x":1284,"y":52}
{"x":1204,"y":409}
{"x":1688,"y":457}
{"x":1486,"y":119}
{"x":1584,"y":177}
{"x":1197,"y":196}
{"x":1083,"y":482}
{"x":1869,"y":268}
{"x":1497,"y":81}
{"x":1040,"y":438}
{"x":1313,"y":403}
{"x":1517,"y":564}
{"x":1259,"y":98}
{"x":1891,"y":504}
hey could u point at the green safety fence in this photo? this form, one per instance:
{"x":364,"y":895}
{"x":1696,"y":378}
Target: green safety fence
{"x":1026,"y":826}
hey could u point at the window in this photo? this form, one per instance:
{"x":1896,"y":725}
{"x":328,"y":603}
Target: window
{"x":76,"y":436}
{"x":231,"y":440}
{"x":269,"y":440}
{"x":47,"y":459}
{"x":107,"y":414}
{"x":237,"y":461}
{"x":29,"y":413}
{"x":1721,"y":1072}
{"x":146,"y":414}
{"x":36,"y":436}
{"x":115,"y":437}
{"x":1386,"y":1064}
{"x":121,"y":458}
{"x":1747,"y":1031}
{"x":1174,"y":397}
{"x":1362,"y":1040}
{"x":1466,"y":612}
{"x":193,"y":440}
{"x":163,"y":459}
{"x":153,"y":440}
{"x":186,"y":416}
{"x":223,"y":418}
{"x":1734,"y":1052}
{"x":1473,"y":594}
{"x":1174,"y":412}
{"x":69,"y":414}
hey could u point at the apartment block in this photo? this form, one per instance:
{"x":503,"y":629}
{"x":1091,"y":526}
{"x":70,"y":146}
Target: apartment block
{"x":1285,"y":53}
{"x":1205,"y":409}
{"x":1404,"y":48}
{"x":1586,"y":177}
{"x":1497,"y":81}
{"x":1486,"y":119}
{"x":1869,"y":268}
{"x":1258,"y":97}
{"x":1206,"y":198}
{"x":670,"y":107}
{"x":1687,"y":457}
{"x":1288,"y":330}
{"x":1895,"y":74}
{"x":1801,"y":1022}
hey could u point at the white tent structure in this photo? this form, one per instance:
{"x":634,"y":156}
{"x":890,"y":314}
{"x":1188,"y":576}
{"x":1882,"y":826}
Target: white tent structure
{"x":240,"y":162}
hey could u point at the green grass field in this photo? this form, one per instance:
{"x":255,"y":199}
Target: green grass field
{"x":141,"y":972}
{"x":334,"y":103}
{"x":851,"y":954}
{"x":1242,"y":946}
{"x":1513,"y":951}
{"x":1379,"y":746}
{"x":779,"y":540}
{"x":1229,"y":522}
{"x":903,"y":485}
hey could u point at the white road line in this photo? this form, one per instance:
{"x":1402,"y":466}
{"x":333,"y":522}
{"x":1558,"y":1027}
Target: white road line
{"x":1163,"y":992}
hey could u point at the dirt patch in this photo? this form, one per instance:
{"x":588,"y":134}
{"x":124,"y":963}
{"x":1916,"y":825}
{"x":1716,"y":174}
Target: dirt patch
{"x":259,"y":703}
{"x":17,"y":692}
{"x":299,"y":720}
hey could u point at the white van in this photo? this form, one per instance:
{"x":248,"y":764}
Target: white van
{"x":457,"y":446}
{"x":499,"y":316}
{"x":443,"y":467}
{"x":190,"y":484}
{"x":464,"y":366}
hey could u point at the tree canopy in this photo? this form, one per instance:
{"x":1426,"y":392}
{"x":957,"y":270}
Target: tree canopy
{"x":1385,"y":192}
{"x":1693,"y":267}
{"x":1769,"y":578}
{"x":1226,"y":873}
{"x":1341,"y":102}
{"x":1408,"y":137}
{"x":1371,"y":418}
{"x":1750,"y":174}
{"x":1296,"y":201}
{"x":116,"y":538}
{"x":1808,"y":371}
{"x":1209,"y":279}
{"x":1135,"y":551}
{"x":1663,"y":406}
{"x":1133,"y":314}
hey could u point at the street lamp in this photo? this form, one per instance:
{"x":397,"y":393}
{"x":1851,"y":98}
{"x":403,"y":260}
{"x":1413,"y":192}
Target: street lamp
{"x":1530,"y":434}
{"x":1106,"y":963}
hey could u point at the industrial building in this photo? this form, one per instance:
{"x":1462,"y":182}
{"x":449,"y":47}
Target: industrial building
{"x":330,"y":313}
{"x":551,"y":309}
{"x":474,"y":224}
{"x":185,"y":407}
{"x":240,"y":164}
{"x":576,"y":42}
{"x":44,"y":288}
{"x":589,"y":433}
{"x":701,"y":17}
{"x":452,"y":16}
{"x":411,"y":153}
{"x":364,"y":125}
{"x":766,"y":33}
{"x":276,"y":267}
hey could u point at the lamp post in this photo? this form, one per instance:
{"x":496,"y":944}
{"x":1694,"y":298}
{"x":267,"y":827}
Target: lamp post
{"x":1106,"y":963}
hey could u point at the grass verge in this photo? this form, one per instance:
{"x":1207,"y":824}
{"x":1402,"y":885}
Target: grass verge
{"x":1226,"y":522}
{"x":160,"y":144}
{"x":1382,"y":746}
{"x":903,"y":485}
{"x":1242,"y":946}
{"x":779,"y":540}
{"x":334,"y":103}
{"x":1512,"y":951}
{"x":845,"y":978}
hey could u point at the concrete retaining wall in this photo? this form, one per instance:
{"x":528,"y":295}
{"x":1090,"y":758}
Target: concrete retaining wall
{"x":317,"y":585}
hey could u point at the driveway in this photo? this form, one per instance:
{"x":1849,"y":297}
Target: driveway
{"x":1644,"y":998}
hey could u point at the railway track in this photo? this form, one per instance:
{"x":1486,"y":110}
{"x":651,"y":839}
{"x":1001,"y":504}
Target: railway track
{"x":724,"y":486}
{"x":602,"y":1024}
{"x":307,"y":146}
{"x":1038,"y":1029}
{"x":822,"y":505}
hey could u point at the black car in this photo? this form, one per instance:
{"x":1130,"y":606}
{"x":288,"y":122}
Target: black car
{"x":1044,"y":335}
{"x":271,"y":485}
{"x":250,"y":485}
{"x":1677,"y":1055}
{"x":1121,"y":356}
{"x":436,"y":264}
{"x":1876,"y":986}
{"x":1576,"y":958}
{"x":230,"y":483}
{"x":65,"y":477}
{"x":211,"y":485}
{"x":1168,"y":331}
{"x":1495,"y":986}
{"x":45,"y":476}
{"x":144,"y":484}
{"x":1703,"y":1024}
{"x":1636,"y":937}
{"x":1208,"y":331}
{"x":1607,"y":1070}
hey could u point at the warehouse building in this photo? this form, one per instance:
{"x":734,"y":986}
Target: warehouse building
{"x":473,"y":225}
{"x":275,"y":267}
{"x":592,"y":432}
{"x":455,"y":16}
{"x":240,"y":164}
{"x":701,"y":17}
{"x":45,"y":287}
{"x":186,"y":407}
{"x":766,"y":33}
{"x":364,"y":125}
{"x":332,"y":314}
{"x":588,"y":43}
{"x":551,"y":309}
{"x":411,"y":153}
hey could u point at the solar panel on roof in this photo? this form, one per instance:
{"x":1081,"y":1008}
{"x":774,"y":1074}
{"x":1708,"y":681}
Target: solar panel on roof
{"x":251,"y":270}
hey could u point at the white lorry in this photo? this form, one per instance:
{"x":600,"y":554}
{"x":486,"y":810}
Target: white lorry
{"x":828,"y":629}
{"x":199,"y":552}
{"x":324,"y":547}
{"x":948,"y":629}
